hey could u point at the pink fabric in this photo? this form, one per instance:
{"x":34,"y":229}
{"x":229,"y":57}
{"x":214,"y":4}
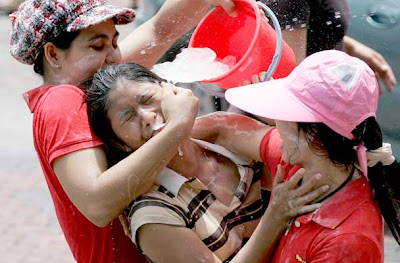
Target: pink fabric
{"x":329,"y":86}
{"x":362,"y":158}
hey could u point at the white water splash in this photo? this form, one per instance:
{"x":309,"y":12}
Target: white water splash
{"x":194,"y":64}
{"x":157,"y":125}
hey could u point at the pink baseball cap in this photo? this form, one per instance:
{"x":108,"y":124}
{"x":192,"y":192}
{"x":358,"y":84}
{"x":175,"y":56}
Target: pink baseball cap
{"x":37,"y":22}
{"x":330,"y":87}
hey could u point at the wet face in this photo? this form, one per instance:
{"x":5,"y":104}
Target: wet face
{"x":294,"y":147}
{"x":95,"y":47}
{"x":134,"y":110}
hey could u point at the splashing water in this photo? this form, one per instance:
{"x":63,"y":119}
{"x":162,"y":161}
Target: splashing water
{"x":157,"y":125}
{"x":194,"y":64}
{"x":180,"y":152}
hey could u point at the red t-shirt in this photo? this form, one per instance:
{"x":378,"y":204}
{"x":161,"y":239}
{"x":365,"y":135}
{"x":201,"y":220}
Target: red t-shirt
{"x":346,"y":228}
{"x":60,"y":127}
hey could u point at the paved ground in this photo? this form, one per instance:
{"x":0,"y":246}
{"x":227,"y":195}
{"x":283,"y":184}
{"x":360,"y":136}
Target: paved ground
{"x":29,"y":231}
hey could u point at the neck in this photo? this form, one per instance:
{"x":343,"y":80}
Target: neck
{"x":185,"y":161}
{"x":332,"y":175}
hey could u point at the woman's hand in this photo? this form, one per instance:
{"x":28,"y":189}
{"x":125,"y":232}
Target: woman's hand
{"x":179,"y":105}
{"x":374,"y":59}
{"x":227,"y":5}
{"x":290,"y":200}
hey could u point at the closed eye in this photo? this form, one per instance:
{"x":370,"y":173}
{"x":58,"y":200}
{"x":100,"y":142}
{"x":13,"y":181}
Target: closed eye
{"x":126,"y":116}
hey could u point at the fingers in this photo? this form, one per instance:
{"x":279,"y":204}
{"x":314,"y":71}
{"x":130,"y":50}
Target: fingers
{"x":309,"y":197}
{"x":167,"y":89}
{"x":280,"y":174}
{"x":255,"y":79}
{"x":246,"y":82}
{"x":227,"y":5}
{"x":262,"y":75}
{"x":294,"y":180}
{"x":308,"y":185}
{"x":307,"y":209}
{"x":383,"y":71}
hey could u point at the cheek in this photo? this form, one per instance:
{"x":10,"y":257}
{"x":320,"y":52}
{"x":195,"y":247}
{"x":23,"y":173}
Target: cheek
{"x":88,"y":64}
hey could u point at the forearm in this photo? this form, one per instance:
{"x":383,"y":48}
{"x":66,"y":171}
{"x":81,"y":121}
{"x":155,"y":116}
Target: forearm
{"x":152,"y":39}
{"x":100,"y":193}
{"x":237,"y":133}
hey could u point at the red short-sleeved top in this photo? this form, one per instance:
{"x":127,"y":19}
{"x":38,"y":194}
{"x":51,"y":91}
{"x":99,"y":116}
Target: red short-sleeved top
{"x":60,"y":127}
{"x":347,"y":227}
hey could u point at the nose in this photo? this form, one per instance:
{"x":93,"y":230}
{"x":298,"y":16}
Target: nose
{"x":148,"y":117}
{"x":113,"y":56}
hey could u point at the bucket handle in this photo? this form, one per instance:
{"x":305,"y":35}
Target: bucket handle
{"x":278,"y":48}
{"x":275,"y":60}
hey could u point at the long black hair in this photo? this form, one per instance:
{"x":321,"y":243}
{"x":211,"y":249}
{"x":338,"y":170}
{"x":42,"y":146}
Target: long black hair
{"x":385,"y":180}
{"x":97,"y":99}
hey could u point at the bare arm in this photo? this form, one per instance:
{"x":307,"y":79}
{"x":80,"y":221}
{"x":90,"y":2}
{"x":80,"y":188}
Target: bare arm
{"x":375,"y":60}
{"x":151,"y":40}
{"x":297,"y":40}
{"x":236,"y":132}
{"x":101,"y":194}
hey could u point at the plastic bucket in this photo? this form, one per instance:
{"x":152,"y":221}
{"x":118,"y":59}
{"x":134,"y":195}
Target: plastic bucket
{"x":248,"y":37}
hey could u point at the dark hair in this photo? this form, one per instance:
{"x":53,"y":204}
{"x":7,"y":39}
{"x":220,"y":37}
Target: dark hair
{"x":62,"y":41}
{"x":97,"y":97}
{"x":385,"y":180}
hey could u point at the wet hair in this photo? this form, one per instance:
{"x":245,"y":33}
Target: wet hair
{"x":97,"y":98}
{"x":62,"y":41}
{"x":385,"y":180}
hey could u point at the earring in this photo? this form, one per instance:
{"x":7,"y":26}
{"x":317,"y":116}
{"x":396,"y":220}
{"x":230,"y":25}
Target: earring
{"x":55,"y":65}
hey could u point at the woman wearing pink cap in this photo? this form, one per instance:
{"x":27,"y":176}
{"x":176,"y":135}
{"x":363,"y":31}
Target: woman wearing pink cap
{"x":325,"y":121}
{"x":67,"y":42}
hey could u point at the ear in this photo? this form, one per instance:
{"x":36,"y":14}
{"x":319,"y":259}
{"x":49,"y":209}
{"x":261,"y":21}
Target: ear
{"x":52,"y":55}
{"x":120,"y":146}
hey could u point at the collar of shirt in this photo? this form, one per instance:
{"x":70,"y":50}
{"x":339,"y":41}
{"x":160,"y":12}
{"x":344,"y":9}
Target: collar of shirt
{"x":334,"y":211}
{"x":171,"y":180}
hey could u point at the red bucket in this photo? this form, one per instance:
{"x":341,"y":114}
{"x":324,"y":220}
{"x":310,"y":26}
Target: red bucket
{"x":248,"y":37}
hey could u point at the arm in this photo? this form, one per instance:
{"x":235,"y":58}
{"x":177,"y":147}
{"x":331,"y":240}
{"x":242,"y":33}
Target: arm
{"x":297,"y":40}
{"x":238,"y":133}
{"x":101,"y":194}
{"x":151,"y":40}
{"x":155,"y":239}
{"x":375,"y":60}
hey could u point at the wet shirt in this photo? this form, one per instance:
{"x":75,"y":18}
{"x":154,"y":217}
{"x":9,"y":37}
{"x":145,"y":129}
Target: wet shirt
{"x":347,"y":227}
{"x":326,"y":20}
{"x":182,"y":202}
{"x":60,"y":127}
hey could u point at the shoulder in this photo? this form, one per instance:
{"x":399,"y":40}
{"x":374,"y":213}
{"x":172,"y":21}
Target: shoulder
{"x":61,"y":97}
{"x":155,"y":208}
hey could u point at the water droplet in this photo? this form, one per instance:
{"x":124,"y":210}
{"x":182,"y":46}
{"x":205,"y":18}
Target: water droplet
{"x":180,"y":152}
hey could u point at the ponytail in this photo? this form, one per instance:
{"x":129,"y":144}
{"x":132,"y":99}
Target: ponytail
{"x":384,"y":179}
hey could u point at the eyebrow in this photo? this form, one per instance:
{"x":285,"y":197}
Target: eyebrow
{"x":103,"y":36}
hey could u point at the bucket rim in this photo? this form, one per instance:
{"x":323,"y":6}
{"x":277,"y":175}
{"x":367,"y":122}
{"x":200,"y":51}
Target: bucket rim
{"x":258,"y":17}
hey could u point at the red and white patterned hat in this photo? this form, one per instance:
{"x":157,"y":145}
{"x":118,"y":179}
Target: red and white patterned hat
{"x":37,"y":22}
